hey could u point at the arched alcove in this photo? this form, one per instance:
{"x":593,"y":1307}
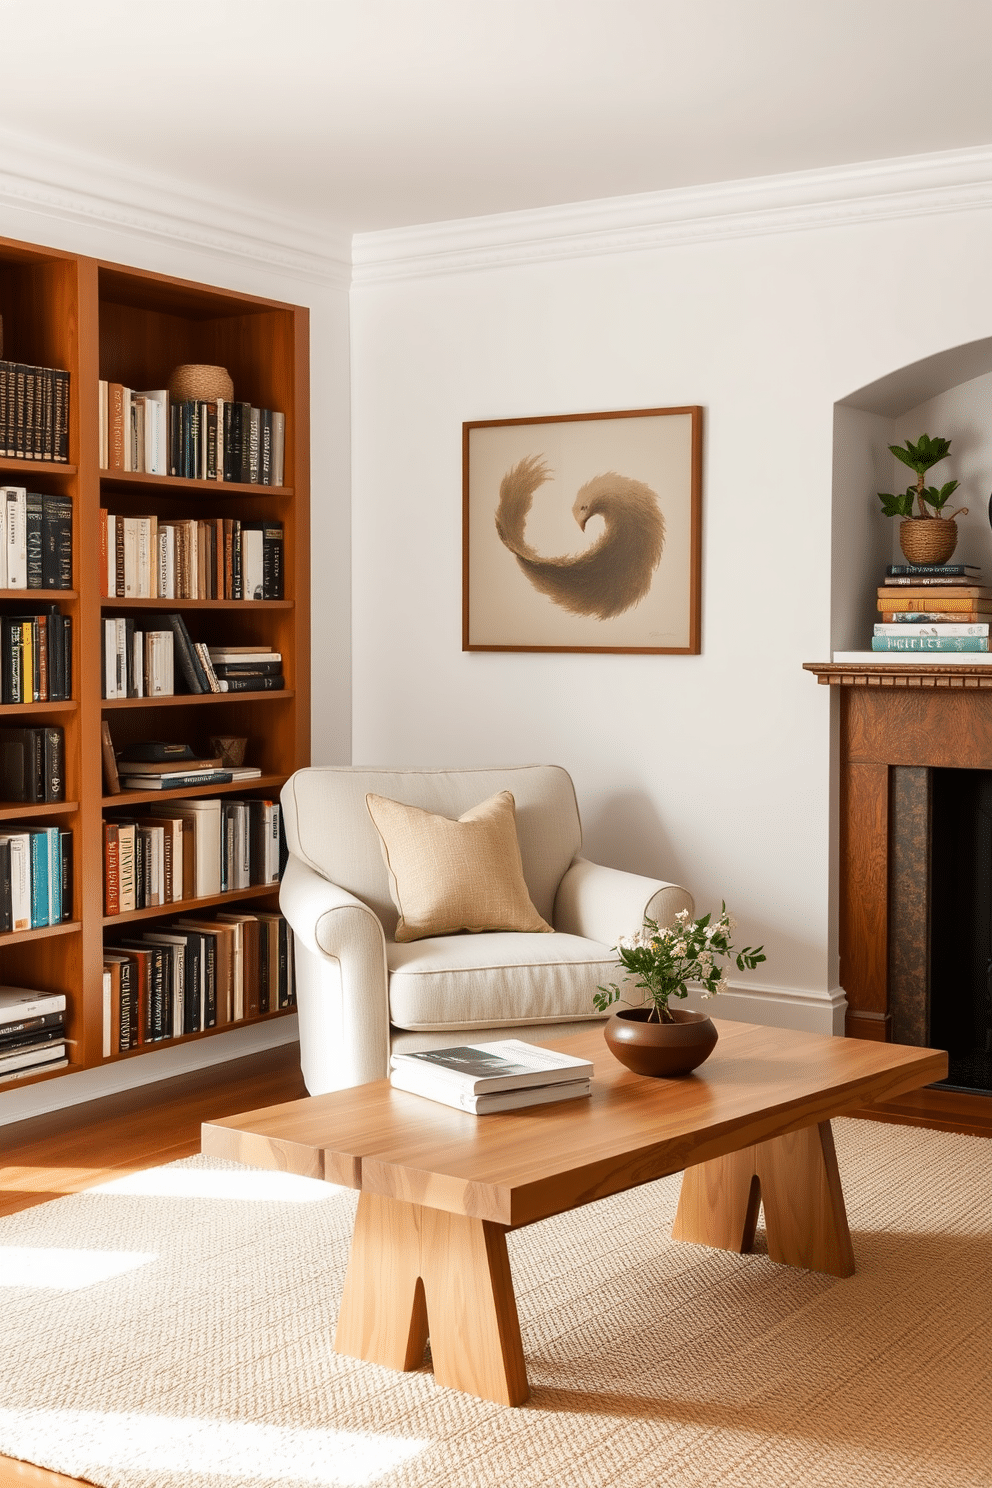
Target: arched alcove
{"x":948,"y":394}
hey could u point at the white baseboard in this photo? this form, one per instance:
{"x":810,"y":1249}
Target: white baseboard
{"x":776,"y":1007}
{"x":157,"y":1064}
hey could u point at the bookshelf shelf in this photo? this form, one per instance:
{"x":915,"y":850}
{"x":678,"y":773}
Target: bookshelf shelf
{"x":244,"y":606}
{"x":44,"y":932}
{"x":189,"y":1038}
{"x":138,"y":480}
{"x":108,"y":322}
{"x":9,"y":465}
{"x":236,"y":787}
{"x":37,"y":596}
{"x":200,"y":699}
{"x":18,"y":810}
{"x":191,"y":906}
{"x":12,"y":711}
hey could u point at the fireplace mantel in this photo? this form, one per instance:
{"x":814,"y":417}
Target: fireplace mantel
{"x":933,"y":716}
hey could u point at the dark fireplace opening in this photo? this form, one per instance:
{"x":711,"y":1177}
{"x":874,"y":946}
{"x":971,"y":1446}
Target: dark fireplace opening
{"x":960,"y":938}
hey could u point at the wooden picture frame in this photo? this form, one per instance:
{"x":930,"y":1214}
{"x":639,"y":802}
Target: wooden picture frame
{"x":535,"y":580}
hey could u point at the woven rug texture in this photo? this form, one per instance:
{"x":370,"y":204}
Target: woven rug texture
{"x":175,"y":1328}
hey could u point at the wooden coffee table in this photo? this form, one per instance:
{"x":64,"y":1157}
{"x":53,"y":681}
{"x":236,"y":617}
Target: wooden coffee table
{"x":440,"y":1188}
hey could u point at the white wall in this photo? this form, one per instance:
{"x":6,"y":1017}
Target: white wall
{"x":712,"y":770}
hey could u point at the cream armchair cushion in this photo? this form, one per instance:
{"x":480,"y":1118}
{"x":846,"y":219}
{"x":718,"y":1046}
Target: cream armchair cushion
{"x":361,"y":991}
{"x":448,"y":876}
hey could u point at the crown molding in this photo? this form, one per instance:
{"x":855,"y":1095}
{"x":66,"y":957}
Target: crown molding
{"x":876,"y":191}
{"x":70,"y":185}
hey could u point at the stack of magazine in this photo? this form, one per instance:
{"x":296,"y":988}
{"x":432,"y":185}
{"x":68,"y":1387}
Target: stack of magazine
{"x":484,"y":1078}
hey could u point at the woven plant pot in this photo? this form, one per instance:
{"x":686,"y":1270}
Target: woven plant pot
{"x":928,"y":539}
{"x":200,"y":383}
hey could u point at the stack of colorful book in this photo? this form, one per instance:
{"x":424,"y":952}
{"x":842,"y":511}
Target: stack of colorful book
{"x":32,"y":1032}
{"x":929,"y":608}
{"x":485,"y":1078}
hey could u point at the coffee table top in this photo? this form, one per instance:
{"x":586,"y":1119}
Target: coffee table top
{"x":516,"y":1167}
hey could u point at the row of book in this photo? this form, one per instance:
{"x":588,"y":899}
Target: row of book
{"x":148,"y":658}
{"x":486,"y":1078}
{"x":32,"y":1032}
{"x":36,"y":657}
{"x":220,"y":440}
{"x":34,"y":412}
{"x":35,"y":876}
{"x":32,"y":764}
{"x":150,"y":557}
{"x":190,"y":849}
{"x":36,"y":551}
{"x":933,"y":608}
{"x":190,"y":974}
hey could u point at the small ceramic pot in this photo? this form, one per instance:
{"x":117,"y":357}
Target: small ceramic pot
{"x":659,"y":1049}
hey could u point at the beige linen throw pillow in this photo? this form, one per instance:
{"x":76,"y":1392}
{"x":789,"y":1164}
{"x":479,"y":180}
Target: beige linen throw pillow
{"x":446,"y":876}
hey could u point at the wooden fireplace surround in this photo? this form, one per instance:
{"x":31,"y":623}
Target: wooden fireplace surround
{"x":919,"y":715}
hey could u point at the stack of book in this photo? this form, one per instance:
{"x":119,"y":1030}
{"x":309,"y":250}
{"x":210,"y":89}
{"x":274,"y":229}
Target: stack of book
{"x":32,"y":1032}
{"x":35,"y":876}
{"x":36,"y":657}
{"x":247,"y":668}
{"x":153,"y":557}
{"x":486,"y":1078}
{"x":218,"y":440}
{"x":190,"y":849}
{"x":34,"y":412}
{"x":36,"y":546}
{"x":32,"y":764}
{"x":190,"y":974}
{"x":933,"y":612}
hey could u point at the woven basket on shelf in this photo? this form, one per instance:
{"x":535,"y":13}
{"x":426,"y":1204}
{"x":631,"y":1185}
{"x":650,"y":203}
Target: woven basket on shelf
{"x":928,"y":539}
{"x":200,"y":383}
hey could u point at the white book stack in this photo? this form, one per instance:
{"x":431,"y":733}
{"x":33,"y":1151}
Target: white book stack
{"x":486,"y":1078}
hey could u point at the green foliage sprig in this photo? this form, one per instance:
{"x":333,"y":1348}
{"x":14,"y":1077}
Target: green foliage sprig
{"x":921,"y":457}
{"x":666,"y":961}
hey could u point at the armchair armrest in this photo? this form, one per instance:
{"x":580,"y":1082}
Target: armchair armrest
{"x":604,"y":903}
{"x":341,"y":981}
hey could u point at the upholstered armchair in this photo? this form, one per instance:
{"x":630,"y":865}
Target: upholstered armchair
{"x":361,"y":992}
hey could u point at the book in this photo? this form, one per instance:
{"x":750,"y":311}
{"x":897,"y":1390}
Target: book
{"x":933,"y":570}
{"x":111,"y":778}
{"x":407,"y":1079}
{"x":484,"y":1069}
{"x":31,"y":1058}
{"x":904,"y":600}
{"x":175,"y":780}
{"x":929,"y":643}
{"x":920,"y":627}
{"x":935,"y":581}
{"x":955,"y":590}
{"x":17,"y":1004}
{"x":932,"y":658}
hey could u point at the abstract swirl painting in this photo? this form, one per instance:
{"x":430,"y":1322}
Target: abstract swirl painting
{"x":582,"y":532}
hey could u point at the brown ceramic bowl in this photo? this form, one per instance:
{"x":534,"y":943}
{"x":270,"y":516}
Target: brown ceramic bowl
{"x":660,"y":1049}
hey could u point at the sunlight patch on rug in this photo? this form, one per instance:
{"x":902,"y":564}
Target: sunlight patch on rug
{"x":250,"y":1186}
{"x":58,"y":1270}
{"x":106,"y":1441}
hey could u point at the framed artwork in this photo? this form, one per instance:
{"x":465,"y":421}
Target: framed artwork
{"x":582,"y":532}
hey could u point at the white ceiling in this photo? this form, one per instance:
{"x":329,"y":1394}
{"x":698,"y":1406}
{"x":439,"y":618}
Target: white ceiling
{"x":362,"y":114}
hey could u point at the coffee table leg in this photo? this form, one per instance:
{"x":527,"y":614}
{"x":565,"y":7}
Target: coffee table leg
{"x":795,"y":1178}
{"x":414,"y":1271}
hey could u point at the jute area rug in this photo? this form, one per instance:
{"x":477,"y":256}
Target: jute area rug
{"x":175,"y":1328}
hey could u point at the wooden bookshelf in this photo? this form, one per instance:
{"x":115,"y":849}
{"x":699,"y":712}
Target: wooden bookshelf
{"x":102,"y":320}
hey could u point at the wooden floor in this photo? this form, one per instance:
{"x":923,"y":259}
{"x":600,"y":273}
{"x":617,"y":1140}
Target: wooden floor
{"x":73,"y":1149}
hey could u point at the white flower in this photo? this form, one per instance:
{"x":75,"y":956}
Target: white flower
{"x":680,"y":948}
{"x":682,"y":914}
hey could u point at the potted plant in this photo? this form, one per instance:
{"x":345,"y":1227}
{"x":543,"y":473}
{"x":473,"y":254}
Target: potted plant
{"x":928,"y":536}
{"x":656,"y":1039}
